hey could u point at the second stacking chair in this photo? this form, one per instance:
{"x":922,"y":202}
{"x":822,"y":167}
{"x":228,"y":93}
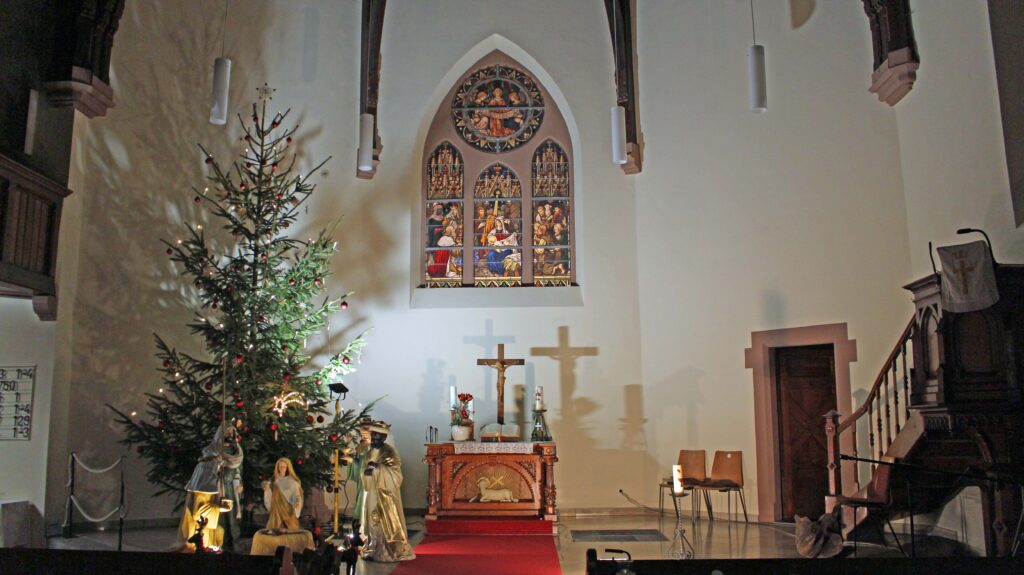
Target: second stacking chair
{"x":727,"y":476}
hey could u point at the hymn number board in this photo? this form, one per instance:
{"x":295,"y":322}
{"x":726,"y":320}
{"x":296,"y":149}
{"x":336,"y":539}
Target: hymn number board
{"x":16,"y":387}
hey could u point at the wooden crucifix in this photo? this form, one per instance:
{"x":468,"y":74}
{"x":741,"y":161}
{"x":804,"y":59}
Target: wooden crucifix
{"x":501,"y":364}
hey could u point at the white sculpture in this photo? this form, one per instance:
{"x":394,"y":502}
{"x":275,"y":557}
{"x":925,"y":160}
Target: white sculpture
{"x":488,"y":494}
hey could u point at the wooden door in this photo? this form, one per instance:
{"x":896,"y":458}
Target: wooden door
{"x":806,"y":391}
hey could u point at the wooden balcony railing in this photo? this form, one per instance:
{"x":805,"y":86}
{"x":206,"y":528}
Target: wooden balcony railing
{"x":882,"y":409}
{"x":30,"y":208}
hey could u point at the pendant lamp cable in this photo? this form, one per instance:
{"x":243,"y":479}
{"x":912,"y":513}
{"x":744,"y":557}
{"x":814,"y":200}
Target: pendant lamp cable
{"x":224,"y":28}
{"x":753,"y":29}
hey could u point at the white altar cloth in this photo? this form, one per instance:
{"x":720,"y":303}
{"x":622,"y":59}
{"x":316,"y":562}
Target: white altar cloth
{"x":497,"y":447}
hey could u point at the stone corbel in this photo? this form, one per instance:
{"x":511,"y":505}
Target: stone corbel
{"x":369,"y":74}
{"x":85,"y":91}
{"x":620,"y":24}
{"x":895,"y":53}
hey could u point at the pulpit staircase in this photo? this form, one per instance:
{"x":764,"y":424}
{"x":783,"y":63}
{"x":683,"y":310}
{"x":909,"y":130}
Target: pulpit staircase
{"x":948,"y":399}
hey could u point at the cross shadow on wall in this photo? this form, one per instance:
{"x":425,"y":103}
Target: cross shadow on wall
{"x":574,"y":427}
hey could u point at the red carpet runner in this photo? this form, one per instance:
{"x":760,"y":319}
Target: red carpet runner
{"x":484,"y":547}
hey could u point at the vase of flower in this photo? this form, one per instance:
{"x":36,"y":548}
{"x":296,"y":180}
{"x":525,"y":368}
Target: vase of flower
{"x":461,"y":432}
{"x":462,"y":417}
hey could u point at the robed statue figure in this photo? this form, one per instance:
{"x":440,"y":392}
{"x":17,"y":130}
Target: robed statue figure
{"x":283,"y":496}
{"x":382,"y":521}
{"x":203,"y":499}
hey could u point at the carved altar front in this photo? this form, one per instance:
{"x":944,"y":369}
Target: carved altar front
{"x":491,"y":479}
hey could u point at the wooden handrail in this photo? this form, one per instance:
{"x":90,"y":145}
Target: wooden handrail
{"x":873,"y":408}
{"x":872,"y":395}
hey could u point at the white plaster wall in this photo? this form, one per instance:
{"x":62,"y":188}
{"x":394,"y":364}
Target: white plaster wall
{"x":950,"y":134}
{"x":26,"y":341}
{"x":751,"y":222}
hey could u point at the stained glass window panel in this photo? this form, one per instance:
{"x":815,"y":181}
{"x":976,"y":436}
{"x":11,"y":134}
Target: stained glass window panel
{"x":550,"y":171}
{"x":497,"y":108}
{"x":444,"y":226}
{"x":497,"y":227}
{"x":444,"y":175}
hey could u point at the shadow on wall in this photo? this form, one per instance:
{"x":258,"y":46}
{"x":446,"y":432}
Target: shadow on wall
{"x":574,"y":426}
{"x":141,"y":162}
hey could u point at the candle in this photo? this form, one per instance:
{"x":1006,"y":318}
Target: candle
{"x":538,"y":398}
{"x":453,"y":396}
{"x":677,"y":479}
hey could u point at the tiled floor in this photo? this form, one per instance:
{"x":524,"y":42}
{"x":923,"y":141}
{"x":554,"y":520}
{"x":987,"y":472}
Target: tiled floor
{"x":718,"y":539}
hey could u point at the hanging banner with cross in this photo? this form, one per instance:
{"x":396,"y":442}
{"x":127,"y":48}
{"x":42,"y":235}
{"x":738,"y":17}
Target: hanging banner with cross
{"x":968,"y":277}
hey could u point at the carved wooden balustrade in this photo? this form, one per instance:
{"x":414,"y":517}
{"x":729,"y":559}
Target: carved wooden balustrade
{"x":30,"y":207}
{"x":883,"y":409}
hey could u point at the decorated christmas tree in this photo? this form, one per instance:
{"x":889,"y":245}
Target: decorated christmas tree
{"x":257,"y":288}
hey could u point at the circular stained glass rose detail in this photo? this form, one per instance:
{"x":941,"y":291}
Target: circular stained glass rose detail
{"x":498,"y":108}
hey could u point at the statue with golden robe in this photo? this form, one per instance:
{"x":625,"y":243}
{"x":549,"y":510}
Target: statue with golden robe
{"x":283,"y":497}
{"x":382,"y":519}
{"x":204,"y":498}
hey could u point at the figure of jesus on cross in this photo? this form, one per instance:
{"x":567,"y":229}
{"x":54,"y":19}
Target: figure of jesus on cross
{"x":501,"y":363}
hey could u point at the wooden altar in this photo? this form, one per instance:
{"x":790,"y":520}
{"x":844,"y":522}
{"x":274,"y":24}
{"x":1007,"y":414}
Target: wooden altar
{"x":491,"y":480}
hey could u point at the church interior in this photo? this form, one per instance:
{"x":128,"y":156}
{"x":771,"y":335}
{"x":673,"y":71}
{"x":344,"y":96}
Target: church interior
{"x":589,"y":285}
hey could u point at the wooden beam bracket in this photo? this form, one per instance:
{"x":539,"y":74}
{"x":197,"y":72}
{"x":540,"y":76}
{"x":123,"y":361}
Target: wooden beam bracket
{"x":620,"y":24}
{"x":369,"y":74}
{"x":895,"y":53}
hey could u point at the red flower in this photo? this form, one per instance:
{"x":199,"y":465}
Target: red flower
{"x":465,"y":414}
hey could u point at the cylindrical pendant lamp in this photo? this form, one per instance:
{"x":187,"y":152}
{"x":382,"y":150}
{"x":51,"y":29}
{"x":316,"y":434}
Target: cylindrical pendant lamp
{"x":618,"y":135}
{"x":364,"y":156}
{"x":756,"y":78}
{"x":221,"y":86}
{"x":757,"y":86}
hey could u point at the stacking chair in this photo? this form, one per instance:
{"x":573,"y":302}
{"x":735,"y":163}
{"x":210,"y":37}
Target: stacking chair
{"x":727,"y":476}
{"x":877,"y":497}
{"x":694,"y":474}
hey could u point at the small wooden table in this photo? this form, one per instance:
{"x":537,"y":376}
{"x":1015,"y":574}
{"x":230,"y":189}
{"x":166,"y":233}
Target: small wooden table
{"x":491,"y":480}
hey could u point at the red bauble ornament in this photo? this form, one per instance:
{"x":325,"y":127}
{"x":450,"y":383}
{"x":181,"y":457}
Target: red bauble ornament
{"x":170,"y":252}
{"x":241,"y":187}
{"x":345,"y":360}
{"x":319,"y":381}
{"x":255,"y":118}
{"x":261,"y":319}
{"x":310,"y":419}
{"x":245,"y":429}
{"x":344,"y":305}
{"x":291,"y":282}
{"x":334,"y":437}
{"x":216,"y":417}
{"x":247,"y":138}
{"x":197,"y":199}
{"x":299,"y":461}
{"x":167,"y":363}
{"x":263,"y":257}
{"x":319,"y":419}
{"x":238,"y":439}
{"x":208,"y":386}
{"x":239,"y":403}
{"x":239,"y":360}
{"x":280,"y":196}
{"x":330,"y":489}
{"x":284,"y":348}
{"x":272,"y":426}
{"x":287,"y":377}
{"x":316,"y":282}
{"x":209,"y":159}
{"x":289,"y":140}
{"x":260,"y":477}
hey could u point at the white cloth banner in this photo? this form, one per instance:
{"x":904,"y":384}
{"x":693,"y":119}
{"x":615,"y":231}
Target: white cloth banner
{"x":968,"y":277}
